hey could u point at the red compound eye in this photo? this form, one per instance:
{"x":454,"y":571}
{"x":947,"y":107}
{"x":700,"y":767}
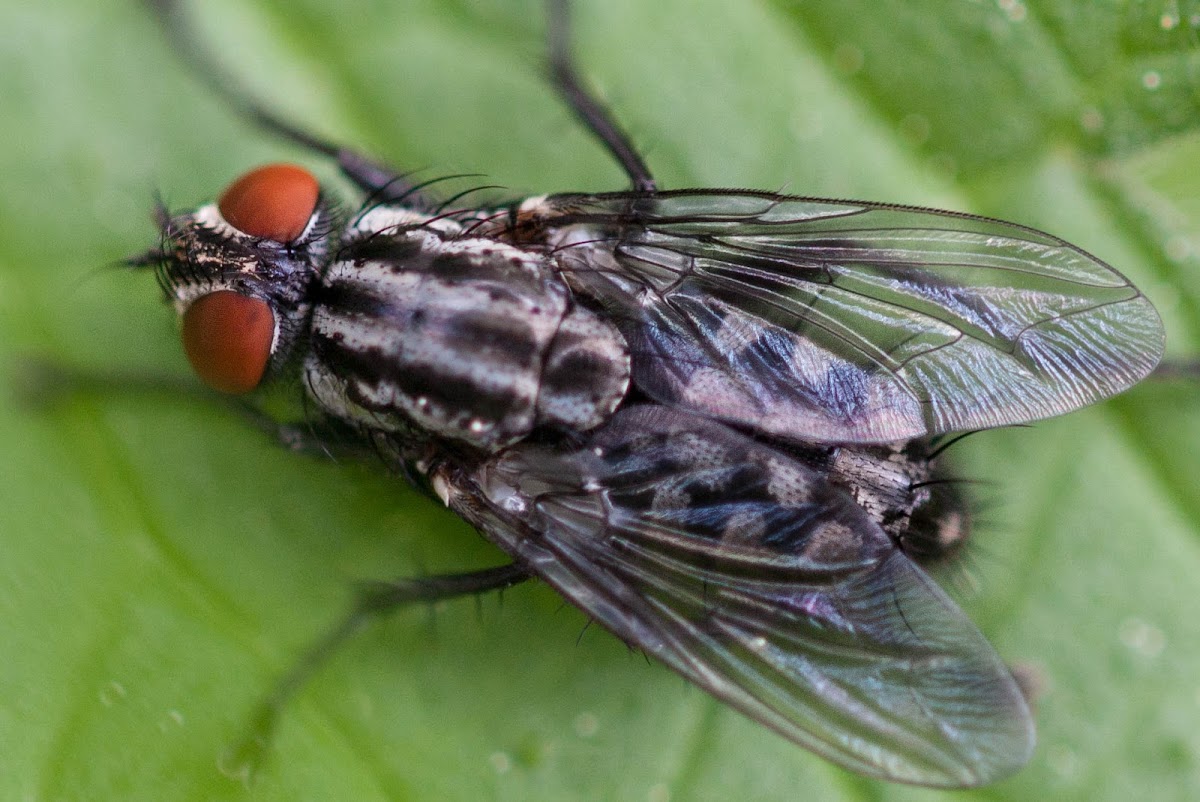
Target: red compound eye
{"x":274,"y":202}
{"x":227,"y":338}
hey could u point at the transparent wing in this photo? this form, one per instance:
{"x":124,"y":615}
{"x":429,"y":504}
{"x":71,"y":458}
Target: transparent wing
{"x":748,"y":573}
{"x":851,"y":322}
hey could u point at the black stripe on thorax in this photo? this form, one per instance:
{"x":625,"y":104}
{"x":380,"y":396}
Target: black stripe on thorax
{"x":492,"y":401}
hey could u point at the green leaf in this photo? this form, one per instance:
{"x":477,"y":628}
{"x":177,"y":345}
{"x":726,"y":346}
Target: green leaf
{"x":164,"y":563}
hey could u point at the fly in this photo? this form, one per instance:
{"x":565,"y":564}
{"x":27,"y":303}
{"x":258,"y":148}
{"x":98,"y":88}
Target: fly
{"x":703,"y":416}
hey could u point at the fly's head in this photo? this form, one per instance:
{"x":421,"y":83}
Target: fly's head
{"x":239,"y":273}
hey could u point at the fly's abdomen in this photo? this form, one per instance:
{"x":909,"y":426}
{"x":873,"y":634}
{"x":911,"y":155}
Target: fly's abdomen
{"x":465,"y":339}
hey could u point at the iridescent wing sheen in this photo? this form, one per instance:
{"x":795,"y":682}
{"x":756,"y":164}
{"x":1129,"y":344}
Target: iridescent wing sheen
{"x":751,"y":575}
{"x":851,"y":322}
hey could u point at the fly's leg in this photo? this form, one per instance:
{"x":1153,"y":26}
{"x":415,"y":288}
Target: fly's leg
{"x":43,"y":383}
{"x":322,"y":437}
{"x":376,"y":180}
{"x":244,"y":758}
{"x":373,"y":178}
{"x":590,"y":111}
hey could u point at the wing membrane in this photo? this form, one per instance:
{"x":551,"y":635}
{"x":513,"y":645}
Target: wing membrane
{"x":747,"y":572}
{"x":852,"y":322}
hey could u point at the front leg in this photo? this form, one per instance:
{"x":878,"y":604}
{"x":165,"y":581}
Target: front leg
{"x":44,"y":383}
{"x":380,"y":183}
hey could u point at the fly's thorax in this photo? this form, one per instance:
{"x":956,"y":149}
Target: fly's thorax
{"x":430,"y":334}
{"x":901,"y":489}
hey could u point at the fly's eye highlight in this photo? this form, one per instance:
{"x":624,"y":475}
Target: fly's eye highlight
{"x":273,"y":202}
{"x":227,"y":338}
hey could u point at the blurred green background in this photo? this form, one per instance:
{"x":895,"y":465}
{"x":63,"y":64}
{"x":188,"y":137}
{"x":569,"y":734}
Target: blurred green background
{"x":162,"y":563}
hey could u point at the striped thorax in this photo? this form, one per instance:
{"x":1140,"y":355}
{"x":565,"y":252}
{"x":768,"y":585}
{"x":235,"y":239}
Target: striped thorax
{"x":401,"y":322}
